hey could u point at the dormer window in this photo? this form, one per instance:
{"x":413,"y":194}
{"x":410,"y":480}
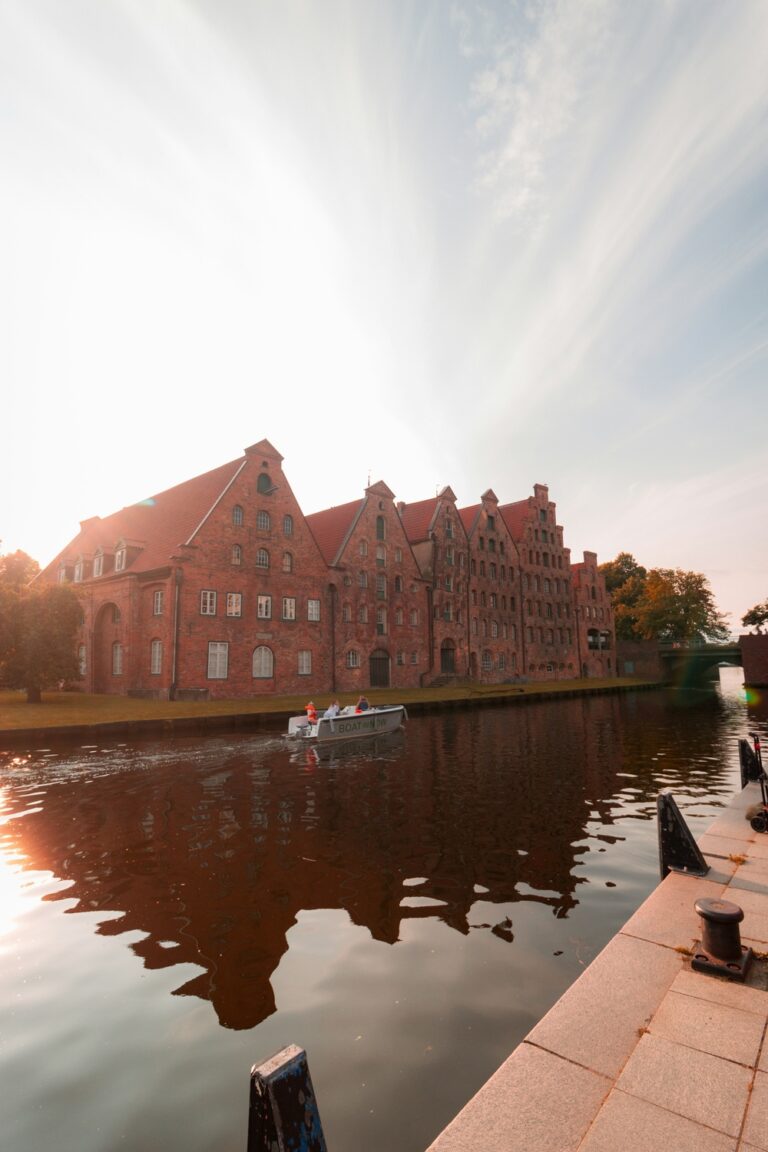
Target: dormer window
{"x":120,"y":557}
{"x":79,"y":568}
{"x":63,"y":574}
{"x":98,"y":563}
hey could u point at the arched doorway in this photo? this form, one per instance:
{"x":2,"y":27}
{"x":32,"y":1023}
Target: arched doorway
{"x":378,"y":665}
{"x":107,"y":632}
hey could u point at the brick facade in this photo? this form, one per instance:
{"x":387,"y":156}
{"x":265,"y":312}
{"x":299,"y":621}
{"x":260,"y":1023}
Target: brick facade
{"x":222,"y":588}
{"x":754,"y":657}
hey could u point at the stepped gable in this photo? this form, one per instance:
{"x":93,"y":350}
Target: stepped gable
{"x":158,"y":525}
{"x":331,"y":528}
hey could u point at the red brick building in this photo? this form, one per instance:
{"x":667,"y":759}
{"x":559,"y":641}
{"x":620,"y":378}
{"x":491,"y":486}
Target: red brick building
{"x":593,"y":618}
{"x":439,"y":543}
{"x":221,"y":587}
{"x":549,"y":633}
{"x":495,"y":642}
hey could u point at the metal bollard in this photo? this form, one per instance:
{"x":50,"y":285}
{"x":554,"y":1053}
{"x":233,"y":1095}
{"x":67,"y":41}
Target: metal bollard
{"x":721,"y":952}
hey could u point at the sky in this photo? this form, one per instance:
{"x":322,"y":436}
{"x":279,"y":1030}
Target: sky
{"x":484,"y":245}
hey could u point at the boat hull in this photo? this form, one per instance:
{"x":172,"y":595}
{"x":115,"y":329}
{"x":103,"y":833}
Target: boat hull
{"x":348,"y":725}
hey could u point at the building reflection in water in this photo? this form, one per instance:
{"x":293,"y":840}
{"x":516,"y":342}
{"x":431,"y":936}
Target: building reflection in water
{"x":211,"y":848}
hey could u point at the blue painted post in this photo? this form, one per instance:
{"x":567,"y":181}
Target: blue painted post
{"x":283,"y":1115}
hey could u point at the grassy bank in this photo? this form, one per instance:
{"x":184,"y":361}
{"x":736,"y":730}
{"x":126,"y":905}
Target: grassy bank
{"x":76,"y":710}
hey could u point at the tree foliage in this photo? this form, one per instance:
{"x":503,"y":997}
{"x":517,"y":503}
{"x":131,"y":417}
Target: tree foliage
{"x":757,"y":617}
{"x":17,"y":569}
{"x":665,"y":604}
{"x":37,"y":637}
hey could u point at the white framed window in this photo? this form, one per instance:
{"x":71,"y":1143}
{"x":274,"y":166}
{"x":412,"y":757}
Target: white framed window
{"x":494,"y":629}
{"x":449,"y":583}
{"x":381,"y":621}
{"x":287,"y":525}
{"x":98,"y":564}
{"x":414,"y":617}
{"x":305,"y":662}
{"x":362,"y":579}
{"x":237,"y":516}
{"x":346,"y":613}
{"x":363,"y":548}
{"x":234,"y":603}
{"x":353,"y":658}
{"x":287,"y":562}
{"x":156,"y":657}
{"x":487,"y":661}
{"x":237,"y":554}
{"x":117,"y":659}
{"x":207,"y":602}
{"x":400,"y":659}
{"x":381,"y":555}
{"x":63,"y":574}
{"x":263,"y":522}
{"x":218,"y":659}
{"x":264,"y":607}
{"x":289,"y":608}
{"x":120,"y":559}
{"x":414,"y":657}
{"x":77,"y":575}
{"x":263,"y":663}
{"x":313,"y":610}
{"x":157,"y":602}
{"x":381,"y":586}
{"x":262,"y":558}
{"x":81,"y":660}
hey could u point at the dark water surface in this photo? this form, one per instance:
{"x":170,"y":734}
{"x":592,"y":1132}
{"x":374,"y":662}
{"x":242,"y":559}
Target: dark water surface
{"x":172,"y":912}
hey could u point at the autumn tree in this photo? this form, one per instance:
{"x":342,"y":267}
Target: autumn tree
{"x":17,"y":569}
{"x":625,"y":581}
{"x":37,"y":637}
{"x":757,"y":617}
{"x":665,"y":604}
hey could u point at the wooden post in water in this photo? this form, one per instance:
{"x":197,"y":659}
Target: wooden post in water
{"x":282,"y":1114}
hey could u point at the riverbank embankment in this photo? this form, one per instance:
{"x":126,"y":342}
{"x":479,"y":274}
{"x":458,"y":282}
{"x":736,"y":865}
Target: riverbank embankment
{"x":643,"y":1052}
{"x":75,"y":715}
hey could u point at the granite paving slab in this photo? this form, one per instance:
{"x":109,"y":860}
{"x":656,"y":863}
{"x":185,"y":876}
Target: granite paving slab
{"x":756,"y":1124}
{"x":652,"y":1128}
{"x":709,"y":1027}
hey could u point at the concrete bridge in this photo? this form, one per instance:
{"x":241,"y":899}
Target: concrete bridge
{"x":691,"y":667}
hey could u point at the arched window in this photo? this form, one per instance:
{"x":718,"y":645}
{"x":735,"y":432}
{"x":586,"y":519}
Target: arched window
{"x":117,"y":659}
{"x":262,"y":558}
{"x":264,"y":484}
{"x":237,"y":516}
{"x":288,"y":525}
{"x":237,"y":554}
{"x":287,"y":562}
{"x":353,"y":658}
{"x":263,"y":522}
{"x":156,"y":657}
{"x":263,"y":663}
{"x":81,"y":660}
{"x":380,"y":528}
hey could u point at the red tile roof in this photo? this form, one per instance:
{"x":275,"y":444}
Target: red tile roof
{"x":417,"y":518}
{"x":515,"y":517}
{"x":160,"y":524}
{"x":331,"y":527}
{"x":468,"y":517}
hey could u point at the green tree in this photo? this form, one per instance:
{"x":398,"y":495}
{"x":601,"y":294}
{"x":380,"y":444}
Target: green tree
{"x":757,"y":617}
{"x":17,"y":569}
{"x":37,"y":637}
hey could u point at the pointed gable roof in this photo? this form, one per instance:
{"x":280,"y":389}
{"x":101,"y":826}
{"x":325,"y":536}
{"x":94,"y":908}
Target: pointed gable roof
{"x":159,"y":525}
{"x":417,"y":518}
{"x":331,"y":528}
{"x":515,"y":516}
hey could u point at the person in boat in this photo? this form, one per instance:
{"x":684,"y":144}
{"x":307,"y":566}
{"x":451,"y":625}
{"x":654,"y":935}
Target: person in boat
{"x":332,"y":709}
{"x":311,"y":713}
{"x":362,"y":705}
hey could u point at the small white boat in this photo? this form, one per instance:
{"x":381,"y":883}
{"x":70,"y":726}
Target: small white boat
{"x":348,"y":724}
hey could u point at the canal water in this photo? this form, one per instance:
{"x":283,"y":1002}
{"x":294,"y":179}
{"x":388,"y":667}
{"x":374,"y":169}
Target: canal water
{"x":172,"y":912}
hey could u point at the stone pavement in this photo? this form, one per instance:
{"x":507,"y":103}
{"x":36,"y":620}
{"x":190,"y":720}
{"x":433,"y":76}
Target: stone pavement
{"x":642,"y":1053}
